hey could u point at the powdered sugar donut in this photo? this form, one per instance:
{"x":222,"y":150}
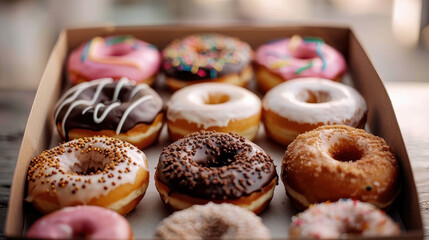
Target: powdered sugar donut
{"x":342,"y":219}
{"x":89,"y":222}
{"x":285,"y":59}
{"x":114,"y":57}
{"x":219,"y":107}
{"x":213,"y":221}
{"x":99,"y":171}
{"x":300,"y":105}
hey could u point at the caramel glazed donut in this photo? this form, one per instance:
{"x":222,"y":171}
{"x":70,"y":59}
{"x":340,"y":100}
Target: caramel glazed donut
{"x":215,"y":167}
{"x":207,"y":58}
{"x":334,"y":162}
{"x":213,"y":107}
{"x":122,"y":109}
{"x":213,"y":221}
{"x":100,"y":171}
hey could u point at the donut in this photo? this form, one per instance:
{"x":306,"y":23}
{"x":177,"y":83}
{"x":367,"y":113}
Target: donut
{"x":334,"y":162}
{"x":300,"y":105}
{"x":101,"y":171}
{"x":213,"y":106}
{"x":343,"y":219}
{"x":81,"y":222}
{"x":207,"y":58}
{"x":120,"y":109}
{"x":215,"y":167}
{"x":288,"y":58}
{"x":213,"y":221}
{"x":114,"y":57}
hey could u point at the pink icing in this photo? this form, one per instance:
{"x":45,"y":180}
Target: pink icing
{"x":132,"y":58}
{"x":90,"y":221}
{"x":280,"y":58}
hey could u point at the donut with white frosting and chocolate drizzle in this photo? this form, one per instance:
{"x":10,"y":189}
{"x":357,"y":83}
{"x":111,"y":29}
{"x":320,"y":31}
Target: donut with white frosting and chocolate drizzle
{"x":100,"y":171}
{"x":215,"y":167}
{"x":122,"y":109}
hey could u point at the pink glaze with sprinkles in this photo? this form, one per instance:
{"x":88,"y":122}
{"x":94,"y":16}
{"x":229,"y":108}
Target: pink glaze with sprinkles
{"x":298,"y":57}
{"x":114,"y":57}
{"x":81,"y":222}
{"x":342,"y":219}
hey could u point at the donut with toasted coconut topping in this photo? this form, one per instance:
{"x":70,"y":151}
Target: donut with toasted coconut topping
{"x":101,"y":171}
{"x":337,"y":161}
{"x":215,"y":167}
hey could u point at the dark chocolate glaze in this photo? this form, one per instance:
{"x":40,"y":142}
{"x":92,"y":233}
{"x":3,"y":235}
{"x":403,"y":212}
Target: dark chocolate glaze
{"x":203,"y":52}
{"x":216,"y":166}
{"x":81,"y":116}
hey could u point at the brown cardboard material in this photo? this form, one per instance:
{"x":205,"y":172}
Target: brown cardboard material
{"x":40,"y":133}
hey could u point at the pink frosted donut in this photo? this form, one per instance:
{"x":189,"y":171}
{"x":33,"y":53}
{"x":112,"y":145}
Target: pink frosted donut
{"x":87,"y":222}
{"x":114,"y":57}
{"x":285,"y":59}
{"x":342,"y":219}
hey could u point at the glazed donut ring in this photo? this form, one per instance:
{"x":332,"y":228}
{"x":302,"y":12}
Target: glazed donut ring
{"x":122,"y":109}
{"x":203,"y":58}
{"x":213,"y":221}
{"x":343,"y":219}
{"x":87,"y":222}
{"x":99,"y":171}
{"x":114,"y":57}
{"x":213,"y":107}
{"x":334,"y":162}
{"x":303,"y":104}
{"x":215,"y":167}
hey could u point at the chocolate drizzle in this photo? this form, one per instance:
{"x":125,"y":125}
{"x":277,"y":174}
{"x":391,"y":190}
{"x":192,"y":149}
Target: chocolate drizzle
{"x":216,"y":166}
{"x":105,"y":104}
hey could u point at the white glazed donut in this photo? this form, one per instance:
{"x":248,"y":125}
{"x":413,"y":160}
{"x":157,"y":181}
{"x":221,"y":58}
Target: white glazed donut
{"x":342,"y":219}
{"x":303,"y":104}
{"x":101,"y":171}
{"x":213,"y":106}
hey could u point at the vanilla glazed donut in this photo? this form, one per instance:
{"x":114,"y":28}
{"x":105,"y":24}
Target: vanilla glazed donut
{"x":100,"y":171}
{"x":343,"y":219}
{"x":83,"y":222}
{"x":334,"y":162}
{"x":114,"y":57}
{"x":213,"y":221}
{"x":215,"y":167}
{"x":213,"y":106}
{"x":202,"y":58}
{"x":301,"y":105}
{"x":122,"y":109}
{"x":289,"y":58}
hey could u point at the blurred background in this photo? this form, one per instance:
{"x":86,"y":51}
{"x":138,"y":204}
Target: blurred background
{"x":395,"y":33}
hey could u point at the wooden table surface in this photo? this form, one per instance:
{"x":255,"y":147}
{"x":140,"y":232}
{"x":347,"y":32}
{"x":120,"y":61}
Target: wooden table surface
{"x":410,"y":101}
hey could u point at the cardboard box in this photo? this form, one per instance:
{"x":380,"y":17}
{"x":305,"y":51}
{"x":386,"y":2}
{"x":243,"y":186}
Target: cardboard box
{"x":40,"y":133}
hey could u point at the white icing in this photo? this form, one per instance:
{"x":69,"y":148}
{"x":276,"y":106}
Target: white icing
{"x":129,"y":109}
{"x":78,"y":162}
{"x":288,"y":100}
{"x":188,"y":104}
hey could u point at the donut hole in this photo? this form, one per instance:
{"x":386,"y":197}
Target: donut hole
{"x":310,"y":96}
{"x":304,"y":53}
{"x":89,"y":164}
{"x":119,"y":50}
{"x":214,"y":229}
{"x":217,"y":98}
{"x":346,"y":151}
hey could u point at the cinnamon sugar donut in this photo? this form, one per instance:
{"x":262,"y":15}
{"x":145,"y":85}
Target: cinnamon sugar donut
{"x":301,"y":105}
{"x":213,"y":221}
{"x":333,"y":162}
{"x":343,"y":219}
{"x":215,"y":167}
{"x":99,"y":171}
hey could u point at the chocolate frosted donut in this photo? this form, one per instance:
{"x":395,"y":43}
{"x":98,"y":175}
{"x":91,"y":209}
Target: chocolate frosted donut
{"x":218,"y":167}
{"x":103,"y":107}
{"x":206,"y":57}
